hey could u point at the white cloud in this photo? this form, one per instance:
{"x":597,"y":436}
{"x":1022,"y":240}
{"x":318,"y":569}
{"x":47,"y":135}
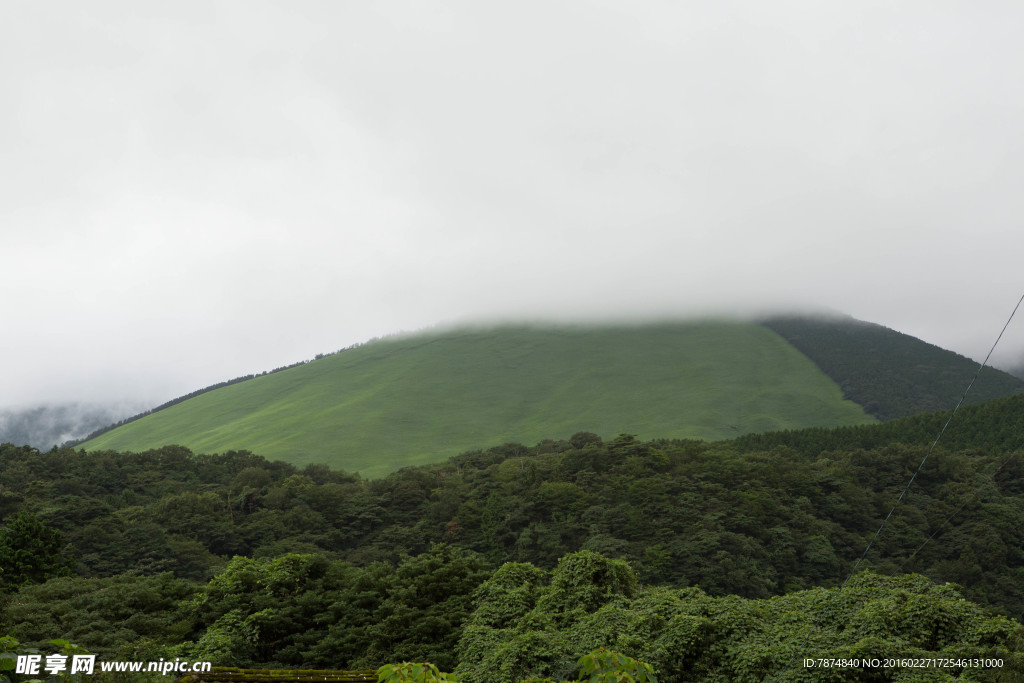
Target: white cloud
{"x":198,"y":191}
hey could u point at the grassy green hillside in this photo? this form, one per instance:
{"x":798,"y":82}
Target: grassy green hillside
{"x":422,"y":398}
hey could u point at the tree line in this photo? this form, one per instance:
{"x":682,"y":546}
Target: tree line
{"x":751,"y":520}
{"x":518,"y":622}
{"x":232,"y":556}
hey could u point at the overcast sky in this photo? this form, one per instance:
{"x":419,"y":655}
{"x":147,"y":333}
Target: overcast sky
{"x":192,"y":191}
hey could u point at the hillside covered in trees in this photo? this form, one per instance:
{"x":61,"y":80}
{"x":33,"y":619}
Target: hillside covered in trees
{"x":755,"y":518}
{"x":888,"y":373}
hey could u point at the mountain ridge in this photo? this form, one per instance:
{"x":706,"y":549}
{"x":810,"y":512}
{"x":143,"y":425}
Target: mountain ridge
{"x":420,"y":398}
{"x":416,"y":398}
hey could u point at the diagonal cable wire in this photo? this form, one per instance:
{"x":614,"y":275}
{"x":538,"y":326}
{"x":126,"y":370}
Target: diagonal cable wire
{"x":828,"y":604}
{"x":967,"y":499}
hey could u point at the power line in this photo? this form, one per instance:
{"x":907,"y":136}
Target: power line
{"x":967,"y":499}
{"x":828,"y":605}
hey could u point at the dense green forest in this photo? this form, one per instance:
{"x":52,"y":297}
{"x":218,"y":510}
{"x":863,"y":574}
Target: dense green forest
{"x":756,"y":516}
{"x":519,"y":621}
{"x":399,"y":558}
{"x":888,"y":373}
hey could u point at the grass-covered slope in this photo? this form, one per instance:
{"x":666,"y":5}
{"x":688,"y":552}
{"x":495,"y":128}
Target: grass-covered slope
{"x":422,"y":398}
{"x":889,"y":373}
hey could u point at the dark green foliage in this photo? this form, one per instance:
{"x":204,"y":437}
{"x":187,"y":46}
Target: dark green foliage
{"x":167,"y":509}
{"x":426,"y":600}
{"x":261,"y":611}
{"x":888,"y":373}
{"x":581,"y":439}
{"x":753,"y":518}
{"x":30,"y":552}
{"x":584,"y":581}
{"x":508,"y":594}
{"x":517,"y":628}
{"x":302,"y":610}
{"x":993,"y":427}
{"x":756,"y":517}
{"x":687,"y":635}
{"x":115,"y":616}
{"x":755,"y":523}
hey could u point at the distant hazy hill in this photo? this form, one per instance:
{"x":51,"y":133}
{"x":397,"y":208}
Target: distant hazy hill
{"x":1017,"y":370}
{"x":421,"y":398}
{"x":45,"y":426}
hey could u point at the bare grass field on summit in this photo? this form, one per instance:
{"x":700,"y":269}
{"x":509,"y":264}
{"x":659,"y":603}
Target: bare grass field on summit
{"x":421,"y":398}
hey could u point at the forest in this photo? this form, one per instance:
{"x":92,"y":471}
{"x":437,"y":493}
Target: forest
{"x":888,"y":373}
{"x":707,"y":560}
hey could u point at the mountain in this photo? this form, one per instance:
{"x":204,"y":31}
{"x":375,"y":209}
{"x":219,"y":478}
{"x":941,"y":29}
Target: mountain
{"x":421,"y":398}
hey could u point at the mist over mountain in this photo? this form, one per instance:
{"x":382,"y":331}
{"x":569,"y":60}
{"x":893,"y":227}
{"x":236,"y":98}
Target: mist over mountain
{"x":1015,"y":369}
{"x":47,"y":425}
